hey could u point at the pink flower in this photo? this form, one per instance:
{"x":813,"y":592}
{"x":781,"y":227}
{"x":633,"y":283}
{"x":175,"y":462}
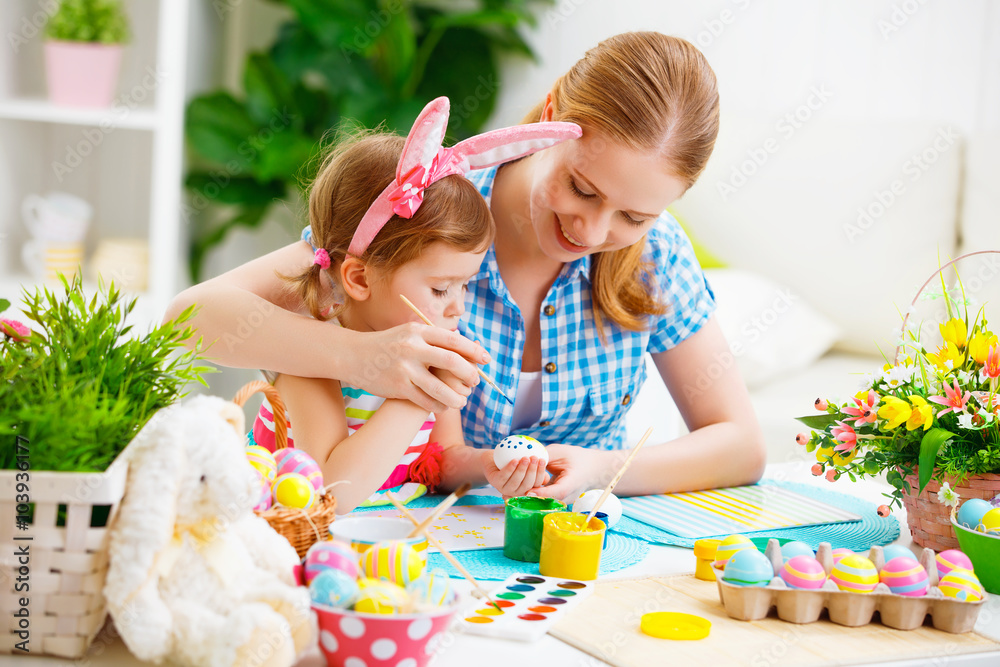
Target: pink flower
{"x":953,"y":400}
{"x":14,"y":329}
{"x":846,"y":435}
{"x":865,"y":410}
{"x":992,"y":366}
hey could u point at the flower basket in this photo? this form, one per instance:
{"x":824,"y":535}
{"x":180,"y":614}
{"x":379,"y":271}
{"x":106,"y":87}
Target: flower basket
{"x":302,"y":528}
{"x":63,"y":579}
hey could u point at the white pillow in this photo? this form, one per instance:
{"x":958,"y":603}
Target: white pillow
{"x":771,"y":330}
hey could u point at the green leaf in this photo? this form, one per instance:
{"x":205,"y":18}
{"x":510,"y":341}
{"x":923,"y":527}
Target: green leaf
{"x":820,"y":422}
{"x":4,"y":305}
{"x":220,"y":128}
{"x":283,"y":155}
{"x":241,"y":190}
{"x":929,"y":446}
{"x":463,"y":68}
{"x":269,"y":92}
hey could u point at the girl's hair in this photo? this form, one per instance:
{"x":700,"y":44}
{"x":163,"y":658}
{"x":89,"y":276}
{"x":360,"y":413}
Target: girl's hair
{"x":352,"y":175}
{"x":651,"y":92}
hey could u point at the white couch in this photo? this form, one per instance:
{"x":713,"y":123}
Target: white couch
{"x":828,"y":230}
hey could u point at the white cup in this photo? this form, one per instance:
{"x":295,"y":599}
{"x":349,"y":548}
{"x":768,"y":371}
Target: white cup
{"x":57,"y":217}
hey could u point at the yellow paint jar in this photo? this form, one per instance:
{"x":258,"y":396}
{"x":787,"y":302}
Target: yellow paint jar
{"x":704,"y":554}
{"x":569,"y":549}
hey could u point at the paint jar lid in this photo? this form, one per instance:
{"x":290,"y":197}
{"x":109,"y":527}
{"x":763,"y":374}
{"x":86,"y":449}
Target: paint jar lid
{"x":705,"y":548}
{"x":675,"y":625}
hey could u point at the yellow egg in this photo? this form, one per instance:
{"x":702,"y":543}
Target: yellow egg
{"x":263,"y":460}
{"x":377,"y":596}
{"x":991,"y":521}
{"x":729,"y":546}
{"x":293,"y":490}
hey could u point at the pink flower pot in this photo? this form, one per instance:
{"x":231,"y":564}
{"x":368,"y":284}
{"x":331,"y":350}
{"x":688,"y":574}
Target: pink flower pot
{"x":82,"y":74}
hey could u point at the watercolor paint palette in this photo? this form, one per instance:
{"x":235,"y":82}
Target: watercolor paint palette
{"x":529,"y":605}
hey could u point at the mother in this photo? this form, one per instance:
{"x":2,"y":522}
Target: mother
{"x":588,"y":273}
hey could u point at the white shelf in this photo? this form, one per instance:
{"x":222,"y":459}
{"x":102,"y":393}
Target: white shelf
{"x":41,"y":110}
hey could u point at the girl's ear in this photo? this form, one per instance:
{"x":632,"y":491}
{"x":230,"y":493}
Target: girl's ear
{"x":354,"y":279}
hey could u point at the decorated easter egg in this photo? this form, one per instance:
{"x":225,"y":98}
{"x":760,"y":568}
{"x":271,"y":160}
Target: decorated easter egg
{"x":331,"y":555}
{"x":803,"y":572}
{"x":333,"y":588}
{"x":729,"y":546}
{"x":431,"y":589}
{"x":293,"y":490}
{"x":905,"y":576}
{"x":840,"y":553}
{"x":264,"y":491}
{"x":950,"y":559}
{"x":393,"y":561}
{"x":990,"y":523}
{"x":611,"y":505}
{"x":748,"y":567}
{"x":376,"y":596}
{"x":294,"y":460}
{"x":790,"y":550}
{"x":961,"y":584}
{"x":891,"y":551}
{"x":263,"y":460}
{"x":855,"y":574}
{"x":516,"y":447}
{"x":970,"y":514}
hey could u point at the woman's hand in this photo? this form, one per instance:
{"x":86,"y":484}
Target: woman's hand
{"x":577,"y":469}
{"x":395,"y":363}
{"x":517,"y":477}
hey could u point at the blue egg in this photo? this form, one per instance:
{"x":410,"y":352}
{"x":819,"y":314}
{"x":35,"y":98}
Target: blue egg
{"x":432,"y":589}
{"x":891,"y":551}
{"x":333,"y":588}
{"x":795,"y":548}
{"x":748,"y":567}
{"x":970,"y":514}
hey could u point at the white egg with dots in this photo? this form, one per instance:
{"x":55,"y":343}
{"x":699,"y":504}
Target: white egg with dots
{"x":611,"y":505}
{"x":515,"y":447}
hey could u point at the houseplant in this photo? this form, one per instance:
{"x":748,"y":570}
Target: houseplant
{"x":335,"y":64}
{"x":932,"y":416}
{"x":83,"y":52}
{"x":74,"y":390}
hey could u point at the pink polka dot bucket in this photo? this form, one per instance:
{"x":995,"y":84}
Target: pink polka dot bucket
{"x":352,"y":639}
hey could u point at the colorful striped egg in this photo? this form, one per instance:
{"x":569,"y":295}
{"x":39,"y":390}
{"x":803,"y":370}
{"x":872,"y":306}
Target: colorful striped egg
{"x":293,"y":490}
{"x":297,"y":461}
{"x":331,"y":555}
{"x":432,"y":589}
{"x":803,"y":572}
{"x":376,"y":596}
{"x":790,"y":550}
{"x":840,"y":553}
{"x":905,"y":576}
{"x":261,"y":459}
{"x":730,"y":546}
{"x":951,"y":559}
{"x":394,"y":561}
{"x":962,"y":585}
{"x":971,"y":513}
{"x":891,"y":551}
{"x":264,"y":492}
{"x":855,"y":574}
{"x":748,"y":567}
{"x":333,"y":588}
{"x":991,"y":521}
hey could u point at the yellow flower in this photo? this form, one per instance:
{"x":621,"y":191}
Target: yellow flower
{"x":905,"y":361}
{"x":954,"y":331}
{"x":922,"y":414}
{"x":824,"y":454}
{"x":895,"y":411}
{"x":948,"y":357}
{"x":979,"y":346}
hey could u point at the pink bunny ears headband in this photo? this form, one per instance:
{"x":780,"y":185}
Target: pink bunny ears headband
{"x":425,"y":161}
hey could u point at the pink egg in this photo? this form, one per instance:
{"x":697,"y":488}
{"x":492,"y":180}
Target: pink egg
{"x":803,"y":572}
{"x":264,"y":499}
{"x":950,"y":559}
{"x":297,"y":461}
{"x":905,"y":576}
{"x":840,"y":553}
{"x":331,"y":555}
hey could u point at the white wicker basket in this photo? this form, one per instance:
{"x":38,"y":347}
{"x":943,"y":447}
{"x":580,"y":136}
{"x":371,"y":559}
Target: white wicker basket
{"x":67,"y":564}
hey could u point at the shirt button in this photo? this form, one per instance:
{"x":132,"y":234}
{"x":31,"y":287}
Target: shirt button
{"x":544,"y":423}
{"x":627,"y":399}
{"x":550,"y":367}
{"x":550,"y":310}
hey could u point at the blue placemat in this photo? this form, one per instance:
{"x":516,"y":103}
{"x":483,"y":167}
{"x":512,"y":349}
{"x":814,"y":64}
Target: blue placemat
{"x":433,"y":501}
{"x":857,"y":536}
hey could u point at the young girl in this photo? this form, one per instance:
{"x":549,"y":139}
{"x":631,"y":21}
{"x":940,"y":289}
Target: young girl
{"x":422,"y":236}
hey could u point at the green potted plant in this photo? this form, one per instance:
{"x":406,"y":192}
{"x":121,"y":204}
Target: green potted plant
{"x":75,"y":389}
{"x":83,"y":52}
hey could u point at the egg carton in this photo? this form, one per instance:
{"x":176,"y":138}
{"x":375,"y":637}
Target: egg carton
{"x":751,"y":603}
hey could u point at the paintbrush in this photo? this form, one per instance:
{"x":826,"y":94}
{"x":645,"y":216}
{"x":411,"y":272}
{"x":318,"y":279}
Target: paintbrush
{"x":478,"y":370}
{"x":439,"y":510}
{"x":618,"y":476}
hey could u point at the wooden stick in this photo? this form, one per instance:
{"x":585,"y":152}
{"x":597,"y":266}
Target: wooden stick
{"x":444,"y":552}
{"x":617,"y":477}
{"x":478,"y":369}
{"x":440,"y":509}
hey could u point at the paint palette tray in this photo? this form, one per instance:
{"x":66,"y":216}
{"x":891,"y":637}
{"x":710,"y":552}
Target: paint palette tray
{"x":529,"y":605}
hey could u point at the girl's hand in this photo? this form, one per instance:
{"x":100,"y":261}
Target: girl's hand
{"x":394,"y":363}
{"x":517,"y":477}
{"x":577,"y":469}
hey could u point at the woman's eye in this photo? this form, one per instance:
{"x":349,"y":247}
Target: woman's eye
{"x":439,"y":292}
{"x":632,"y":221}
{"x":577,"y":191}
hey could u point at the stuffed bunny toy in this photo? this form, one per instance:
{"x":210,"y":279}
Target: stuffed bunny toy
{"x":196,"y":578}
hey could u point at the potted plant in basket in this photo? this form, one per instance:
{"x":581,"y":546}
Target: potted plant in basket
{"x":74,"y":390}
{"x":930,"y":421}
{"x":83,"y":52}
